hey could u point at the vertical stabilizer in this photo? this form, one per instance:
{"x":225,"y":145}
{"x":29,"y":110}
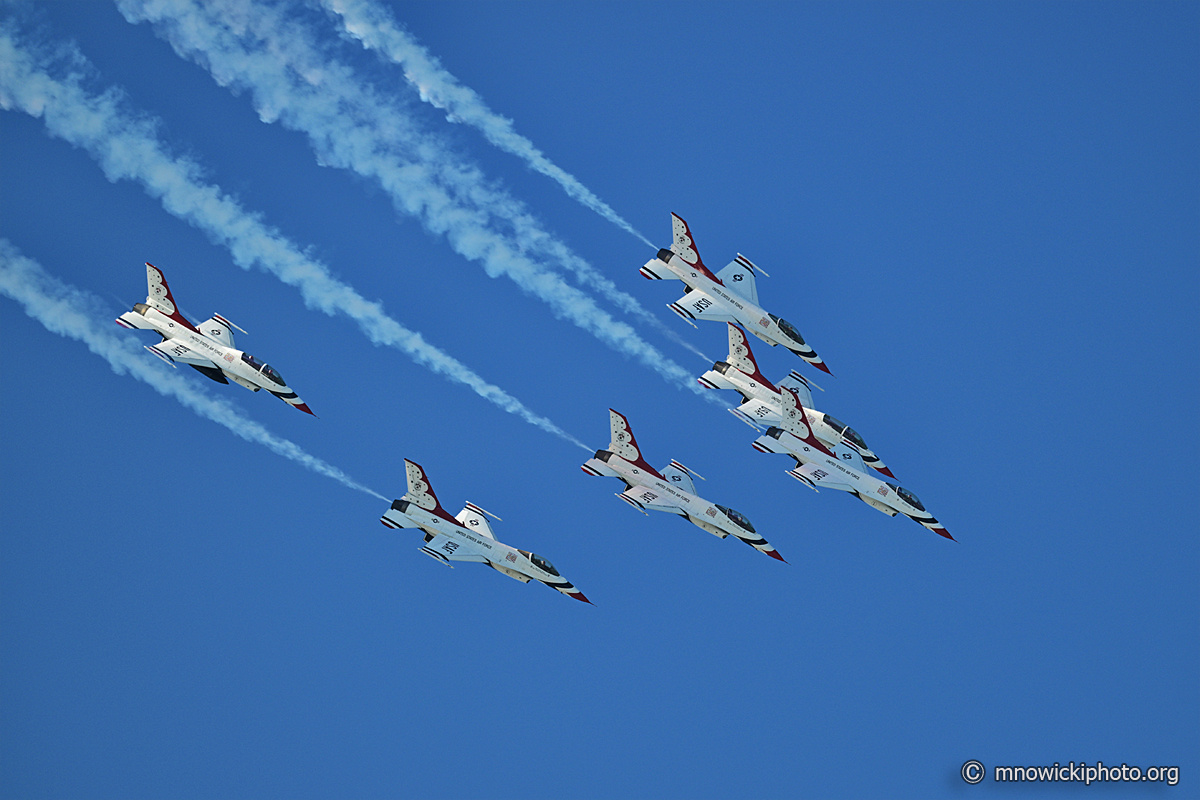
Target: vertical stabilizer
{"x":740,"y":355}
{"x":684,"y":246}
{"x":624,"y":445}
{"x":158,"y":296}
{"x":794,"y":422}
{"x":420,"y":493}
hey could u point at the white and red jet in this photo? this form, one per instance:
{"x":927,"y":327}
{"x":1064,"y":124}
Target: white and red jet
{"x":730,"y":295}
{"x":467,"y":537}
{"x":671,"y":490}
{"x":762,"y":403}
{"x":207,"y":349}
{"x":839,"y":467}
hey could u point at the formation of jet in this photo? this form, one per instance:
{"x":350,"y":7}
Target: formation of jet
{"x":839,"y":467}
{"x":467,"y":537}
{"x":730,"y":295}
{"x":762,"y":405}
{"x":827,"y":452}
{"x":207,"y":349}
{"x":671,"y":490}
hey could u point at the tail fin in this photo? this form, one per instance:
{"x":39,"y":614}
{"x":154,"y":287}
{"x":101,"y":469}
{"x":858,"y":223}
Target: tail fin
{"x":794,"y":422}
{"x":158,"y":295}
{"x":684,"y":246}
{"x":740,"y":355}
{"x":420,"y":493}
{"x":623,"y":443}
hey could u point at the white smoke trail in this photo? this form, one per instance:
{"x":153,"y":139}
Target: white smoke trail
{"x":70,"y":312}
{"x":264,"y":50}
{"x":126,"y":145}
{"x":375,"y":27}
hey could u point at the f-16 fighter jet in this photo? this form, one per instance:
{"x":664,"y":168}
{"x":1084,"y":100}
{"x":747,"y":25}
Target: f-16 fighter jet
{"x":839,"y":467}
{"x":207,"y":349}
{"x":762,"y":402}
{"x":728,"y":296}
{"x":467,"y":537}
{"x":671,"y":490}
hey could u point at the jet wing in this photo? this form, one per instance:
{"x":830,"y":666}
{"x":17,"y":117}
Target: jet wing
{"x":647,"y":499}
{"x":849,"y":456}
{"x":796,"y":382}
{"x":816,"y":475}
{"x":473,"y":519}
{"x":446,"y":549}
{"x":698,"y":304}
{"x":173,"y":350}
{"x":679,"y":478}
{"x":738,"y":276}
{"x":757,"y":411}
{"x":218,"y":328}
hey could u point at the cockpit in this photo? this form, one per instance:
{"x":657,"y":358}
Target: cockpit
{"x":907,"y":496}
{"x":787,"y":328}
{"x":265,"y":369}
{"x":540,"y":562}
{"x":847,"y":431}
{"x":738,"y":519}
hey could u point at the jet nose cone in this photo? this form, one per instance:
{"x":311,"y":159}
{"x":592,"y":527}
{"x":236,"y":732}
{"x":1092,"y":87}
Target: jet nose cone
{"x":887,"y":472}
{"x":304,"y":407}
{"x":821,"y":366}
{"x":775,"y":554}
{"x":579,"y":596}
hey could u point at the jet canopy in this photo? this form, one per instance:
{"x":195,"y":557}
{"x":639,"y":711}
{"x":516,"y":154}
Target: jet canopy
{"x":788,"y":328}
{"x":846,"y":430}
{"x":907,"y":496}
{"x":265,"y":369}
{"x":738,"y":519}
{"x":540,"y":562}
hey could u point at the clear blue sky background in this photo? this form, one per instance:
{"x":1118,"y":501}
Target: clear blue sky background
{"x":983,"y":216}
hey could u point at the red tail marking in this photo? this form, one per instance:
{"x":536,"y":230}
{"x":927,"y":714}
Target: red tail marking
{"x":692,"y":244}
{"x":175,"y":315}
{"x":640,"y":461}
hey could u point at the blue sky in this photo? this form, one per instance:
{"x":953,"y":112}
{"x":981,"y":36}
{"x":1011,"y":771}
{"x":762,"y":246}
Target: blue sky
{"x":984,"y":217}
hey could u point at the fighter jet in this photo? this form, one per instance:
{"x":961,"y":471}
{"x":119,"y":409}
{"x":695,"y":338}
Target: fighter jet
{"x":208,"y":349}
{"x":467,"y":537}
{"x":839,"y":467}
{"x":762,"y":404}
{"x":729,"y":296}
{"x":671,"y":490}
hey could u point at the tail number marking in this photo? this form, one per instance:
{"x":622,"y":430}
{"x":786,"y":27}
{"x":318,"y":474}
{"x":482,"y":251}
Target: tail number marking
{"x":702,"y":304}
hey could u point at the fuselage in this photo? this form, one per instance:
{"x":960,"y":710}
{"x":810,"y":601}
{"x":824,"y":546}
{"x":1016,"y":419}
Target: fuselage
{"x":236,"y":365}
{"x":709,"y":290}
{"x":769,"y":409}
{"x":881,"y":495}
{"x":515,"y":563}
{"x":699,"y":511}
